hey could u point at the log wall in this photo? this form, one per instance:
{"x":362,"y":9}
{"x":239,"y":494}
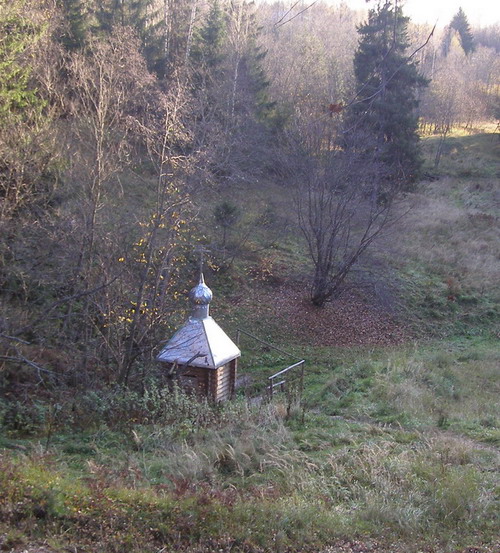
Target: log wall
{"x":215,"y":384}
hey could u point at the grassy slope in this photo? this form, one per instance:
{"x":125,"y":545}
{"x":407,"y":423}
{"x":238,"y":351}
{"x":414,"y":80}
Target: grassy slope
{"x":451,"y":240}
{"x":397,"y":446}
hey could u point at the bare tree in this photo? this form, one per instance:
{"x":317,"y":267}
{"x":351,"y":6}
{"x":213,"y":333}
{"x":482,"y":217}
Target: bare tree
{"x":344,"y":203}
{"x":309,"y":60}
{"x":108,"y":81}
{"x":116,"y":104}
{"x":163,"y":233}
{"x":459,"y":92}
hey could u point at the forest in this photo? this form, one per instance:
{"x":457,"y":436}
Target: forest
{"x":335,"y":174}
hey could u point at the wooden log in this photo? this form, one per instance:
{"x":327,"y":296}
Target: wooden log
{"x":223,"y":395}
{"x":212,"y":377}
{"x":224,"y":380}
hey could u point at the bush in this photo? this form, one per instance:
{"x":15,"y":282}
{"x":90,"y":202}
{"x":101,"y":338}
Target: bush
{"x":22,"y":418}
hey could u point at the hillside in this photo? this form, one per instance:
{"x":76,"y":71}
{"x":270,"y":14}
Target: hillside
{"x":339,"y":191}
{"x":395,"y":447}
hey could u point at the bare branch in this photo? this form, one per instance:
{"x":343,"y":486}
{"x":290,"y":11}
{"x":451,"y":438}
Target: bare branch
{"x":291,"y":8}
{"x":13,"y":338}
{"x":296,"y":15}
{"x":21,"y":359}
{"x":62,"y":301}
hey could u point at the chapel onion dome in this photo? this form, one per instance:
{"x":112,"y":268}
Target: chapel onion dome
{"x":200,"y":297}
{"x":200,"y":342}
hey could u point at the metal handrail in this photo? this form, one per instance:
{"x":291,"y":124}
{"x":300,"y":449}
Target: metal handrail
{"x":282,"y":383}
{"x":287,"y":369}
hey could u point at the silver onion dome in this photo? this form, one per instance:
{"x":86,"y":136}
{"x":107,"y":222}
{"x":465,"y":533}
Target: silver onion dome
{"x":200,"y":297}
{"x":200,"y":342}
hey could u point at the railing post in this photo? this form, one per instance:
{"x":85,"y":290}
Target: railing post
{"x":301,"y":388}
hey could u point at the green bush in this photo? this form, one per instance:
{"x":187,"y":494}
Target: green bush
{"x":22,"y":418}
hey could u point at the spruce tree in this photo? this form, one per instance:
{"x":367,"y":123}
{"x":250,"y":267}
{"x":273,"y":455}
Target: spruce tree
{"x":26,"y":154}
{"x":141,"y":15}
{"x":461,"y":24}
{"x":18,"y":98}
{"x":78,"y":24}
{"x":266,"y":110}
{"x":385,"y":110}
{"x":209,"y":39}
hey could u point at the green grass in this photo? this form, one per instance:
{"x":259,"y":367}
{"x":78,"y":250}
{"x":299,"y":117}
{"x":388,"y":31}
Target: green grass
{"x":397,"y":445}
{"x":465,"y":155}
{"x":447,"y":256}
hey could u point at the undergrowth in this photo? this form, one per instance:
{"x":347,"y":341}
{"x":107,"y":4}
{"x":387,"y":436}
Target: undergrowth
{"x":396,"y":446}
{"x":449,"y":242}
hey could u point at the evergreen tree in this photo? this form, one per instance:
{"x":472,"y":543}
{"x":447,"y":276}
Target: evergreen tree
{"x":77,"y":24}
{"x":25,"y":153}
{"x":385,"y":111}
{"x":266,"y":110}
{"x":213,"y":48}
{"x":143,"y":16}
{"x":18,"y":98}
{"x":461,"y":24}
{"x":179,"y":17}
{"x":209,"y":39}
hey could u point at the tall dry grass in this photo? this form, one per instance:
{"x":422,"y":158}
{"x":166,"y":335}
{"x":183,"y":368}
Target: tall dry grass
{"x":454,"y":235}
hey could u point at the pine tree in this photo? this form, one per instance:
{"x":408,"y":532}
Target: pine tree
{"x":209,"y":40}
{"x":385,"y":110}
{"x":461,"y":24}
{"x":78,"y":24}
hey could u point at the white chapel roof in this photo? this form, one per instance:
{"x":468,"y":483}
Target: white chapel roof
{"x":201,"y":342}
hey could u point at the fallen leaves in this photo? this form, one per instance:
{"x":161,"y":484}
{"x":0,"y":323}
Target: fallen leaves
{"x":351,"y":320}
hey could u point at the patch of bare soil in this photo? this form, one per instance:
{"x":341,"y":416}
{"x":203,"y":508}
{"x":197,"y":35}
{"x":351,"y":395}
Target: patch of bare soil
{"x":351,"y":320}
